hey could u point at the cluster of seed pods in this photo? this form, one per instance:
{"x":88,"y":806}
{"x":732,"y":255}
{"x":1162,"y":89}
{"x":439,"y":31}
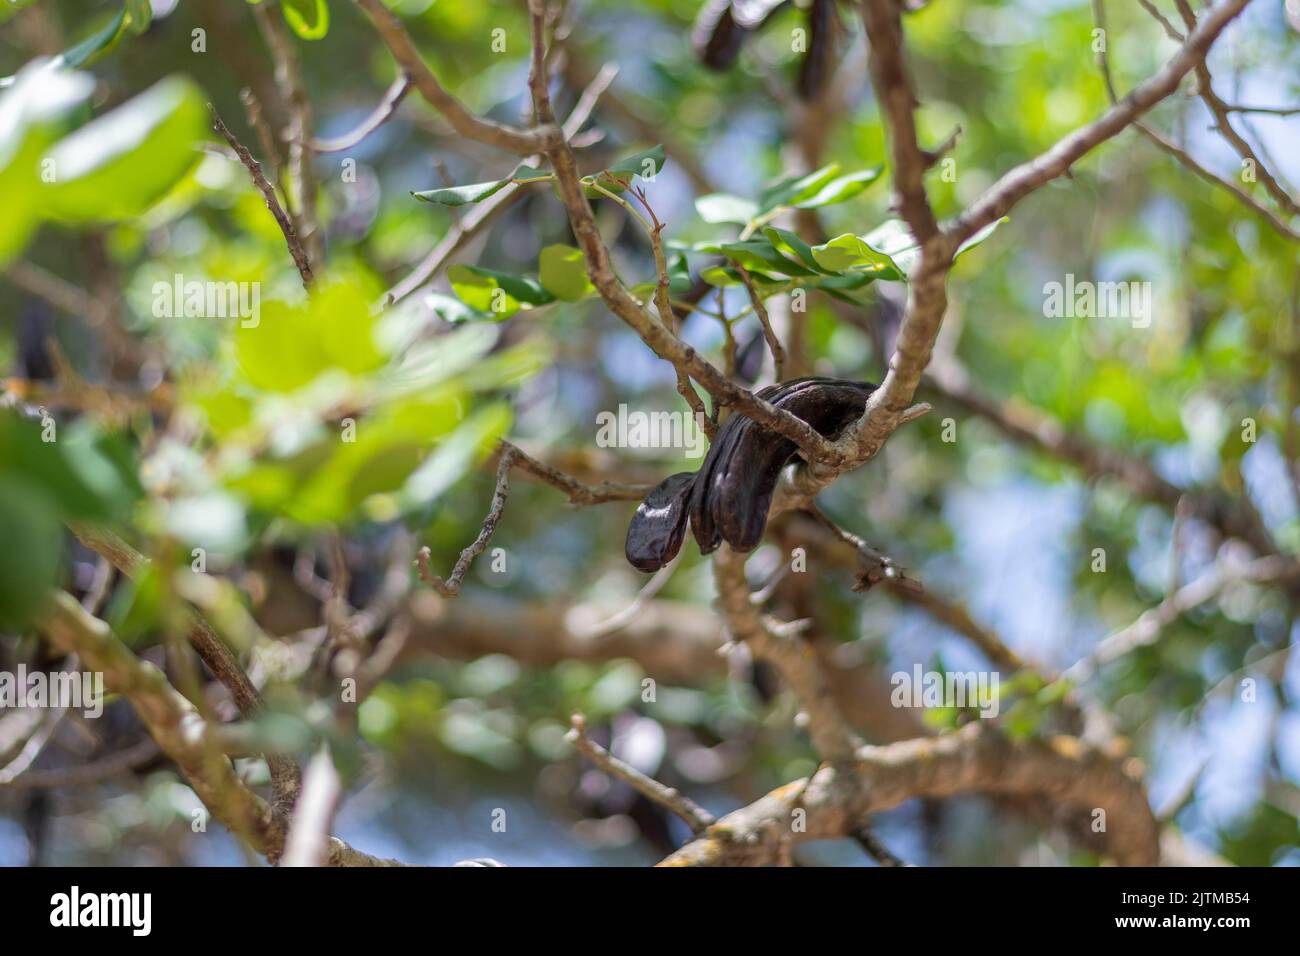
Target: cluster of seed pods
{"x":728,"y":498}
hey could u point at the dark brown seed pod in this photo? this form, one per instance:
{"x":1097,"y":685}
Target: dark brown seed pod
{"x":656,"y":531}
{"x":729,"y":497}
{"x":733,"y":491}
{"x":824,"y":27}
{"x":722,"y":26}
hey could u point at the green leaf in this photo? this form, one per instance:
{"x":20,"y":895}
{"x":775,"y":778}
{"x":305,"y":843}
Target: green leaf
{"x":787,"y":192}
{"x":330,"y":481}
{"x":119,"y":165}
{"x":849,"y":253}
{"x":31,"y":116}
{"x":291,"y":346}
{"x":720,"y":276}
{"x":562,"y":272}
{"x":979,"y":236}
{"x":135,"y":609}
{"x":461,"y":195}
{"x":721,"y":207}
{"x":477,"y":192}
{"x":894,"y":239}
{"x":453,"y":310}
{"x":431,"y":361}
{"x":97,"y":44}
{"x":84,"y":472}
{"x":511,"y":366}
{"x":759,"y":255}
{"x":645,"y":164}
{"x":310,"y":19}
{"x":791,"y":245}
{"x":619,"y":176}
{"x":139,"y":15}
{"x":457,"y":455}
{"x":838,"y":189}
{"x":496,"y":293}
{"x":31,"y":558}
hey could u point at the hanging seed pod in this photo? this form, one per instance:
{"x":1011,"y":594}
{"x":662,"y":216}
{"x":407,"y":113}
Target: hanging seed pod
{"x":729,"y":497}
{"x":657,"y":529}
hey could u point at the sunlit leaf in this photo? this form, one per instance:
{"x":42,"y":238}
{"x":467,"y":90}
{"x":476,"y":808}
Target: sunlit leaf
{"x":456,"y":456}
{"x":31,"y":113}
{"x":720,"y":207}
{"x":453,"y":310}
{"x":292,"y":345}
{"x":562,"y":271}
{"x":498,"y":294}
{"x":894,"y":239}
{"x":120,"y":164}
{"x":849,"y":253}
{"x":461,"y":195}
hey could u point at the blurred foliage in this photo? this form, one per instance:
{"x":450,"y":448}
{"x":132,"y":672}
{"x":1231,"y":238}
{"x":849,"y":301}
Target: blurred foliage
{"x":327,"y":413}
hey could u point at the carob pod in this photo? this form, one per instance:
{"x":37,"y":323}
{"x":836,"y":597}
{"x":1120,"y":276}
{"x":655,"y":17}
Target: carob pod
{"x":729,"y":497}
{"x":722,"y":27}
{"x":657,"y":529}
{"x":730,"y":502}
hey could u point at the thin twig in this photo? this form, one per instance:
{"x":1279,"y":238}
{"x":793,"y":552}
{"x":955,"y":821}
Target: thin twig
{"x":1148,"y":627}
{"x":647,"y":593}
{"x":773,"y":343}
{"x":658,"y":336}
{"x":293,"y":91}
{"x":1205,"y":87}
{"x":85,"y":775}
{"x":377,"y":118}
{"x":468,"y":226}
{"x":696,"y":817}
{"x":579,"y":493}
{"x":875,"y":849}
{"x":451,"y":586}
{"x":1170,"y":30}
{"x":1177,"y":152}
{"x":291,"y":237}
{"x":399,"y":43}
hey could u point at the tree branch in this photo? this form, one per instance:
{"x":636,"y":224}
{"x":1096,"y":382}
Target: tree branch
{"x":696,"y":817}
{"x":975,"y":759}
{"x":178,"y":729}
{"x":1027,"y":177}
{"x":381,"y":114}
{"x":464,"y":122}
